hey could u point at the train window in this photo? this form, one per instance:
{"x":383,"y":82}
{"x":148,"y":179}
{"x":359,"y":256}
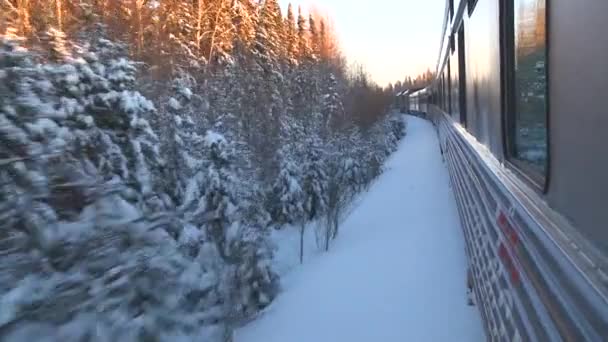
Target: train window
{"x":462,"y":77}
{"x":440,"y":90}
{"x":448,"y":89}
{"x":452,"y":43}
{"x":445,"y":92}
{"x":526,"y":102}
{"x":443,"y":101}
{"x":471,"y":6}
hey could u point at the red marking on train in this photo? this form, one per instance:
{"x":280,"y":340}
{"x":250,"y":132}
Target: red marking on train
{"x":514,"y":237}
{"x":502,"y":219}
{"x":507,"y":254}
{"x":507,"y":261}
{"x":515,"y":276}
{"x":506,"y":227}
{"x":502,"y":251}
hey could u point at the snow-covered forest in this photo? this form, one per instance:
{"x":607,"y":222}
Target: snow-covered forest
{"x":149,"y":147}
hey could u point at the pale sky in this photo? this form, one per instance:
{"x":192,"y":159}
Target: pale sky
{"x":391,"y":38}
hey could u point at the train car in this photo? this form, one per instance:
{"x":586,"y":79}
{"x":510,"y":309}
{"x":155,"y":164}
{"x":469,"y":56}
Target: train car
{"x":520,"y":109}
{"x":419,"y":101}
{"x":403,"y":101}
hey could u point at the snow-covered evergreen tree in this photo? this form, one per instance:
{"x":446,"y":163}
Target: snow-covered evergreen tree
{"x":185,"y":160}
{"x":314,"y":177}
{"x":291,"y":34}
{"x":354,"y":171}
{"x":270,"y":32}
{"x":125,"y":147}
{"x":250,"y":280}
{"x":332,"y":108}
{"x":304,"y":48}
{"x":288,"y":196}
{"x":85,"y":262}
{"x":245,"y":17}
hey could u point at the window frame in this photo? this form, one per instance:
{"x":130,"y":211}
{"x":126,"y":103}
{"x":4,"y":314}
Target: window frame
{"x":454,"y":82}
{"x":449,"y":86}
{"x":538,"y":180}
{"x":462,"y":75}
{"x":451,"y":9}
{"x":452,"y":44}
{"x":471,"y":6}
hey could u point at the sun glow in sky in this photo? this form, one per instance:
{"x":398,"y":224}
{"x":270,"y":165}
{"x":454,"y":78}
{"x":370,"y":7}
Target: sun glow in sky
{"x":391,"y":38}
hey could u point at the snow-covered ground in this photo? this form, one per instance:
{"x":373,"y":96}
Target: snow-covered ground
{"x":286,"y":257}
{"x":286,"y":241}
{"x":396,"y":273}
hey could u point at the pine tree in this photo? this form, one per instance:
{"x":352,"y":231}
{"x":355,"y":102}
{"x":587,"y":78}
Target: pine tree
{"x":270,"y":32}
{"x":291,"y":34}
{"x":176,"y":31}
{"x":221,"y":31}
{"x":322,"y":46}
{"x":121,"y":111}
{"x":250,"y":280}
{"x":332,"y":107}
{"x":28,"y":129}
{"x":314,"y":36}
{"x":58,"y":45}
{"x":289,"y":198}
{"x":186,"y":163}
{"x":245,"y":17}
{"x":73,"y":261}
{"x":314,"y":178}
{"x":304,"y":49}
{"x":355,"y":171}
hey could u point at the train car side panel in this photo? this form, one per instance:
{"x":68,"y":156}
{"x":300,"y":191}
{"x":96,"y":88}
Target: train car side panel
{"x":578,"y":74}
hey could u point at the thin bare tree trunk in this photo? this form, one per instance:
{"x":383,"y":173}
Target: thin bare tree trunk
{"x":302,"y":243}
{"x":336,"y":225}
{"x":140,"y":28}
{"x":328,"y":230}
{"x":59,"y":15}
{"x":199,"y":24}
{"x":215,"y":29}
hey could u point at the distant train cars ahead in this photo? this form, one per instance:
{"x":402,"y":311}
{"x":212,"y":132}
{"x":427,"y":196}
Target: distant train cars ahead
{"x":419,"y":102}
{"x":402,"y":99}
{"x":519,"y":102}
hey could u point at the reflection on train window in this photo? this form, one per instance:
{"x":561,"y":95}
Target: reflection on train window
{"x":529,"y":143}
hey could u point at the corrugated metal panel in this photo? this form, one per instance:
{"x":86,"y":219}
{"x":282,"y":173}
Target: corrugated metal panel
{"x":530,"y":283}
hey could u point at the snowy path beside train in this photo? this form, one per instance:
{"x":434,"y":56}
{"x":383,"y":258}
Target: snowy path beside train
{"x":397,"y":272}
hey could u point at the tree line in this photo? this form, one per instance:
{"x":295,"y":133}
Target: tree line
{"x":148,"y":148}
{"x":418,"y":82}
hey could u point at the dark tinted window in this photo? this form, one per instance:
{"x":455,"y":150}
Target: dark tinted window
{"x":452,"y":43}
{"x":448,"y":88}
{"x":527,"y":109}
{"x":443,"y":95}
{"x":462,"y":77}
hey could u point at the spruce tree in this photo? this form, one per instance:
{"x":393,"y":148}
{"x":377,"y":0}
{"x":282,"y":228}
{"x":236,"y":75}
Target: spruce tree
{"x":314,"y":36}
{"x":332,"y":107}
{"x":270,"y":35}
{"x":291,"y":33}
{"x":304,"y":49}
{"x":245,"y":17}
